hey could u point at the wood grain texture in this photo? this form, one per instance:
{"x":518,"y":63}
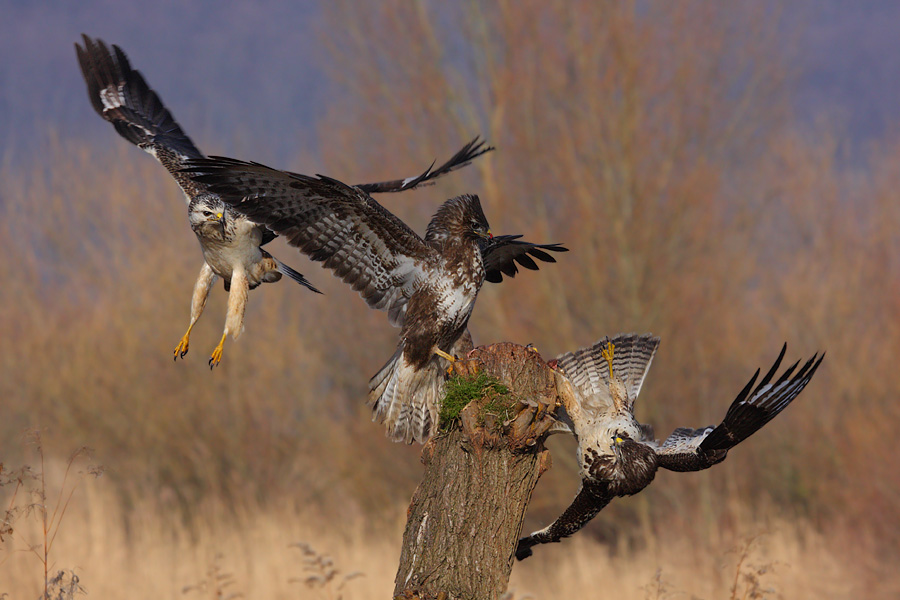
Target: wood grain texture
{"x":466,"y":515}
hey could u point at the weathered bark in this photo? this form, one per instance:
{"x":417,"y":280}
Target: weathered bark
{"x":466,"y":516}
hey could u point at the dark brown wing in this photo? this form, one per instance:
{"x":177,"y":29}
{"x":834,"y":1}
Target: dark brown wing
{"x":501,"y":253}
{"x":469,"y":152}
{"x":696,"y":449}
{"x":120,"y":95}
{"x":590,"y":500}
{"x":331,"y":222}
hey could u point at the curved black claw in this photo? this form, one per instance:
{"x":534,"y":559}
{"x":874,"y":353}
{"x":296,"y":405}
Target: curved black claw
{"x":180,"y":350}
{"x":523,"y":548}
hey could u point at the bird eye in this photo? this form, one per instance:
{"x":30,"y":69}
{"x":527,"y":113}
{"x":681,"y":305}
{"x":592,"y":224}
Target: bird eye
{"x":206,"y":213}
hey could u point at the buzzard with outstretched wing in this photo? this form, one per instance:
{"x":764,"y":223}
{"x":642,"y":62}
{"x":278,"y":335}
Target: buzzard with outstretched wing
{"x":427,"y":285}
{"x":618,"y":455}
{"x":231,"y":244}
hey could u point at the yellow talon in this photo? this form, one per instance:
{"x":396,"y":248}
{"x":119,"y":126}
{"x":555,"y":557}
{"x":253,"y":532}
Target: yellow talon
{"x":443,"y":354}
{"x":607,"y":353}
{"x":452,"y":360}
{"x":216,"y":357}
{"x":182,"y":348}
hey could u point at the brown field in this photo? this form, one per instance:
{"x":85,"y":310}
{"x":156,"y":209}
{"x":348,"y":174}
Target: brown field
{"x":695,"y":207}
{"x":250,"y":551}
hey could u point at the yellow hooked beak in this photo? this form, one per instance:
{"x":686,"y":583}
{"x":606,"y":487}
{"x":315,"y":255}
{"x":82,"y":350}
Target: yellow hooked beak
{"x":220,"y":217}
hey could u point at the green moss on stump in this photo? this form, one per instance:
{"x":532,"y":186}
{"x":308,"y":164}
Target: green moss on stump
{"x":497,"y":401}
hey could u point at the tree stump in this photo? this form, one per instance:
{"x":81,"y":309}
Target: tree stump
{"x":466,"y":515}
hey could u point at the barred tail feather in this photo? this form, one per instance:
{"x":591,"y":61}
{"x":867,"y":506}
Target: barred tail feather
{"x":406,"y":399}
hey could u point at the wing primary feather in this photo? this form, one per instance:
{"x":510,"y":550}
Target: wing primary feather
{"x":693,"y":450}
{"x":774,"y":368}
{"x":503,"y":254}
{"x":525,"y":261}
{"x":541,"y":255}
{"x":463,"y":157}
{"x":747,"y":416}
{"x":286,"y":270}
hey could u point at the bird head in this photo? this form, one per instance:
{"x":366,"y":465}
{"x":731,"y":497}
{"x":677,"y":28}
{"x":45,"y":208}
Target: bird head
{"x":635,"y":463}
{"x":207,"y":209}
{"x":620,"y":440}
{"x":459,"y":217}
{"x":480,"y":229}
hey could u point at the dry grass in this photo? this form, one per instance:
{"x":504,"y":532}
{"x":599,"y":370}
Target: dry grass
{"x":252,"y":553}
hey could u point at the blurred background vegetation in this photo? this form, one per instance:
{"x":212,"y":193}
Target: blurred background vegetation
{"x":690,"y":154}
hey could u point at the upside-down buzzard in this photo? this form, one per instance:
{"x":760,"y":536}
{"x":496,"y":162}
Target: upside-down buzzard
{"x":618,"y":455}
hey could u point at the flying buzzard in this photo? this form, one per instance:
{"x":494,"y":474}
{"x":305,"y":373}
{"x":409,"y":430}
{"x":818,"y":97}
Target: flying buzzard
{"x":427,"y":286}
{"x":618,"y":455}
{"x":231,"y":244}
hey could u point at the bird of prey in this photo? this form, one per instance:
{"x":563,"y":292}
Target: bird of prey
{"x":427,"y":285}
{"x":231,"y":244}
{"x":618,"y":455}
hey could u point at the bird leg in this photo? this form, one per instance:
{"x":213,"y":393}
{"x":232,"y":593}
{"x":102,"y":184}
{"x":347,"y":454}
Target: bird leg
{"x":216,"y":357}
{"x":443,"y":354}
{"x":204,"y":283}
{"x":449,"y":357}
{"x":182,"y":348}
{"x":608,"y":353}
{"x":234,"y":321}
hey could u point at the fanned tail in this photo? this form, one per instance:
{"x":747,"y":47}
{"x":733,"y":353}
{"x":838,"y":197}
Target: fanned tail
{"x":406,"y":399}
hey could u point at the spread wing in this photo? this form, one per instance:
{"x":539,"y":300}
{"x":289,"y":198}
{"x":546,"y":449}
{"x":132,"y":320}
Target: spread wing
{"x":331,"y":222}
{"x":696,"y":449}
{"x":501,"y":253}
{"x":590,"y":500}
{"x":588,"y":371}
{"x":467,"y":154}
{"x":120,"y":95}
